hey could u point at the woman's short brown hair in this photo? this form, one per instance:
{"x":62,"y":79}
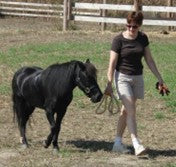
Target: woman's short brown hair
{"x":136,"y":17}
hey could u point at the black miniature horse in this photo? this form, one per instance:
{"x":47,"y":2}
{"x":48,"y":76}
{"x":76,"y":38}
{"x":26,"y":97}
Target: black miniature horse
{"x":52,"y":90}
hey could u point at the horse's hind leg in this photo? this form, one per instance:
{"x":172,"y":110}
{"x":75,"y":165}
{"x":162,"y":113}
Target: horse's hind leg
{"x":27,"y":113}
{"x":23,"y":112}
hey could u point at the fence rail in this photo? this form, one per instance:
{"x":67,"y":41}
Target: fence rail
{"x":27,"y":9}
{"x":30,"y":9}
{"x":123,"y":21}
{"x":88,"y":12}
{"x":28,"y":4}
{"x":105,"y":19}
{"x":97,"y":6}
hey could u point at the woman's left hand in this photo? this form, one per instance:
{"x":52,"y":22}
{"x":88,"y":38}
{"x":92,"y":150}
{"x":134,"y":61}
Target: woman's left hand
{"x":163,"y":89}
{"x":108,"y":91}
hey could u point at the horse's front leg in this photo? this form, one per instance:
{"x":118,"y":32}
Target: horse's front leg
{"x":50,"y":117}
{"x":59,"y":118}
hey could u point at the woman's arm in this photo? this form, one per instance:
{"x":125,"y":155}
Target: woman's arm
{"x":112,"y":65}
{"x":151,"y":64}
{"x":160,"y":85}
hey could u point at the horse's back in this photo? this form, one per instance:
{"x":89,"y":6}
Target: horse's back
{"x":21,"y":75}
{"x":27,"y":70}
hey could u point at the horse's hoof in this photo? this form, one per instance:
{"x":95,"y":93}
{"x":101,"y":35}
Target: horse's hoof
{"x":55,"y":151}
{"x":24,"y":146}
{"x":45,"y":144}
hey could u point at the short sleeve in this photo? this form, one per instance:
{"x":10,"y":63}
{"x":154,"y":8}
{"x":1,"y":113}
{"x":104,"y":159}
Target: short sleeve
{"x":145,"y":40}
{"x":116,"y":45}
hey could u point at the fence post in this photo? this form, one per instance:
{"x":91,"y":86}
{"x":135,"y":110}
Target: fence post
{"x":69,"y":13}
{"x":103,"y":13}
{"x":65,"y":15}
{"x":138,"y":5}
{"x":169,"y":15}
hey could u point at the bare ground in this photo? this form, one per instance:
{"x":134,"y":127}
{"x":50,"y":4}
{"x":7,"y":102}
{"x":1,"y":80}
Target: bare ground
{"x":86,"y":138}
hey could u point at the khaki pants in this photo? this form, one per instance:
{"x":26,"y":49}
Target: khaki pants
{"x":129,"y":85}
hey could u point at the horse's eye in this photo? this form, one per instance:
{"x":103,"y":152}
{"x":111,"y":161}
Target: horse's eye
{"x":87,"y":90}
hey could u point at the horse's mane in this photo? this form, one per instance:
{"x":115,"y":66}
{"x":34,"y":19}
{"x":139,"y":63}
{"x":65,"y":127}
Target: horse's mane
{"x":56,"y":78}
{"x":66,"y":70}
{"x":64,"y":73}
{"x":91,"y":70}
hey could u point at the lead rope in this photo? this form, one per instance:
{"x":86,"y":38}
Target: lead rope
{"x":110,"y":106}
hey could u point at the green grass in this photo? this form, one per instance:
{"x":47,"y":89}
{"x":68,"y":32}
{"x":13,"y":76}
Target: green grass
{"x":164,"y":57}
{"x":89,"y":133}
{"x":45,"y":54}
{"x":159,"y":115}
{"x":4,"y":89}
{"x":171,"y":165}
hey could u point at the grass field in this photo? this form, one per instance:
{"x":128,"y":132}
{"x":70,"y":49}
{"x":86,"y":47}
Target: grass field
{"x":86,"y":138}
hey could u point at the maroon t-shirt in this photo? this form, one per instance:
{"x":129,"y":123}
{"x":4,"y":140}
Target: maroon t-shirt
{"x":130,"y":53}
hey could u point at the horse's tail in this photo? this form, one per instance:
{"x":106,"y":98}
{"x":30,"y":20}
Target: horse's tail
{"x":21,"y":111}
{"x":16,"y":114}
{"x":17,"y":103}
{"x":14,"y":97}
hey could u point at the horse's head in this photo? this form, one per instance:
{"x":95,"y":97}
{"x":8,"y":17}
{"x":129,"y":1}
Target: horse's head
{"x":86,"y":80}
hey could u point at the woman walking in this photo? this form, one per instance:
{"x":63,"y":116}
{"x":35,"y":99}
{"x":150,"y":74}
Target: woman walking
{"x":125,"y":65}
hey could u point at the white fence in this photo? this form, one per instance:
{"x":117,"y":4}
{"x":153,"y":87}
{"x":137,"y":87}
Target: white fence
{"x":88,"y":12}
{"x":30,"y":9}
{"x":27,"y":9}
{"x":158,"y":22}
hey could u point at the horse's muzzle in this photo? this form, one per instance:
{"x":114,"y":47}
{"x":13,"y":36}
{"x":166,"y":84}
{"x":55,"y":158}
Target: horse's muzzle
{"x":97,"y":97}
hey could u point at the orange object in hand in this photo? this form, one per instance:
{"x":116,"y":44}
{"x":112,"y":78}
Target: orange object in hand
{"x":163,"y":89}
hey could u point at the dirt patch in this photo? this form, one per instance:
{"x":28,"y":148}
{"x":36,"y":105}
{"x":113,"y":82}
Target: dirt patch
{"x":6,"y":155}
{"x":22,"y":31}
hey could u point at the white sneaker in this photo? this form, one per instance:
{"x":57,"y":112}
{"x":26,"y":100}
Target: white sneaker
{"x":120,"y":148}
{"x":140,"y":150}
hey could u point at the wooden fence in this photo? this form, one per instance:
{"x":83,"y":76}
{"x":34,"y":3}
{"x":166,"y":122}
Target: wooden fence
{"x":30,"y":9}
{"x":104,"y":19}
{"x":88,"y":12}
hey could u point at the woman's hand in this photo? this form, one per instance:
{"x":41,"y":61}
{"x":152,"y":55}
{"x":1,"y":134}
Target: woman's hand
{"x":163,"y":89}
{"x":108,"y":91}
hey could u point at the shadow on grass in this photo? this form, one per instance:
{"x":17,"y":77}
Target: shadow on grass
{"x":94,"y":146}
{"x":166,"y":153}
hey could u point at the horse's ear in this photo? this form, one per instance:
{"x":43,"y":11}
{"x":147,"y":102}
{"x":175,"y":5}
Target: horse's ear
{"x":87,"y":61}
{"x":80,"y":66}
